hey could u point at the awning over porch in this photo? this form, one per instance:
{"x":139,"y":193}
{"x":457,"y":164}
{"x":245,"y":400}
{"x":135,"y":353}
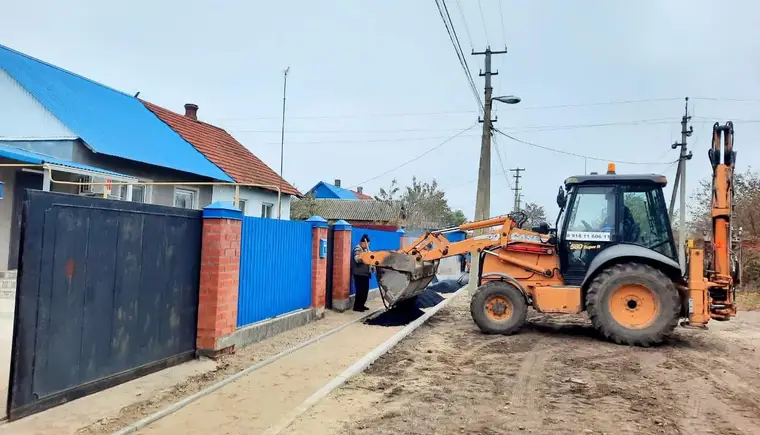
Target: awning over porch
{"x":56,"y":164}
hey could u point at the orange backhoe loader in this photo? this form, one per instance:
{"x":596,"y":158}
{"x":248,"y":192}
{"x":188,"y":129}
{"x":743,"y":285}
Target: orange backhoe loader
{"x":611,"y":254}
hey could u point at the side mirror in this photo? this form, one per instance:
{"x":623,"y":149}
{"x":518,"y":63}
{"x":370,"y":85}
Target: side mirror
{"x":561,"y":199}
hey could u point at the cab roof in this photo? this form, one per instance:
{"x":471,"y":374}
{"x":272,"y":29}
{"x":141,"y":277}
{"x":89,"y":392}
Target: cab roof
{"x":617,"y":179}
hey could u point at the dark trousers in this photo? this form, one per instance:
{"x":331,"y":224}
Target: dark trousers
{"x":361,"y":283}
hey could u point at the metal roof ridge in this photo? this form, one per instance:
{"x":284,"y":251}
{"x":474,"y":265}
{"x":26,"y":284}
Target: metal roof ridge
{"x":63,"y":70}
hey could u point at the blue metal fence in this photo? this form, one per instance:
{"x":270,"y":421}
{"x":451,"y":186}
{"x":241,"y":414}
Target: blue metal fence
{"x":275,"y":269}
{"x":379,"y":241}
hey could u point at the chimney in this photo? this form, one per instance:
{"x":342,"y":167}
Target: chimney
{"x":191,"y":111}
{"x":360,"y":190}
{"x":337,"y":182}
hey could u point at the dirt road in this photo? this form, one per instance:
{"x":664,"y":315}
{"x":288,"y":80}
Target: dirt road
{"x":554,"y":377}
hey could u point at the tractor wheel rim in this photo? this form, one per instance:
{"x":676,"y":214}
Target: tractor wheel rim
{"x":498,"y":308}
{"x":633,"y":306}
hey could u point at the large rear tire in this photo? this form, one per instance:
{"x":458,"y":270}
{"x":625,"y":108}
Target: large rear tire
{"x":633,"y":304}
{"x":498,"y":307}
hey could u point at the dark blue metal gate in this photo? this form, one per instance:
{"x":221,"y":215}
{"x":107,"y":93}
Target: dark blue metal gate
{"x":107,"y":292}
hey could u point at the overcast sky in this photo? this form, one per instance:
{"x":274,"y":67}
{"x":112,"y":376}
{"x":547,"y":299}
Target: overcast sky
{"x":373,"y":84}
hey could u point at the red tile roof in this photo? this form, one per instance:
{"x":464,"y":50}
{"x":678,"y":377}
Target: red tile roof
{"x":223,"y":150}
{"x":361,"y":195}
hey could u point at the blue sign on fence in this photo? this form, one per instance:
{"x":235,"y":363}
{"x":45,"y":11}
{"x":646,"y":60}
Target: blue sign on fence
{"x":1,"y":190}
{"x":322,"y":248}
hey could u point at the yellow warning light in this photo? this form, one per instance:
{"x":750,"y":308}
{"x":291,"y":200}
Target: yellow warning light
{"x":610,"y":168}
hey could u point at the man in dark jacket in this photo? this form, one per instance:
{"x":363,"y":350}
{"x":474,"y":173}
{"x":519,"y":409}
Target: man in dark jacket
{"x":361,"y":273}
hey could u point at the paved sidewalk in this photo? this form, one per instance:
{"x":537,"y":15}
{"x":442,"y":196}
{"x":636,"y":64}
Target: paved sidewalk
{"x":253,"y":403}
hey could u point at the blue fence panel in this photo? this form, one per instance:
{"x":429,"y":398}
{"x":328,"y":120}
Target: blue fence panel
{"x":456,"y":236}
{"x":275,"y":269}
{"x":379,"y":241}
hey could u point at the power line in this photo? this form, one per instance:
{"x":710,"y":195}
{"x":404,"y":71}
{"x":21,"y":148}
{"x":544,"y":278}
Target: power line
{"x":568,"y":153}
{"x":447,"y":23}
{"x":501,"y":163}
{"x":516,"y":129}
{"x":453,"y":112}
{"x":736,"y":100}
{"x":466,"y":27}
{"x":467,"y":112}
{"x":538,"y":128}
{"x":401,"y":139}
{"x":602,"y":103}
{"x":415,"y":158}
{"x":483,"y":18}
{"x":734,"y":120}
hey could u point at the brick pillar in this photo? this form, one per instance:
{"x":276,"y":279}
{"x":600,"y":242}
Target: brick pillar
{"x":341,"y":272}
{"x":220,"y":270}
{"x":318,"y":263}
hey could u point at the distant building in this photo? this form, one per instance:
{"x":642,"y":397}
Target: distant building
{"x":325,"y":190}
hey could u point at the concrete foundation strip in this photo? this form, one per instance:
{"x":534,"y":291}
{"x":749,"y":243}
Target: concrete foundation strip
{"x":134,"y":427}
{"x":358,"y":366}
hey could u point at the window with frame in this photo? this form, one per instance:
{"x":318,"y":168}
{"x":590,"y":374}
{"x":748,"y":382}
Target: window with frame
{"x":241,"y":205}
{"x":592,"y":216}
{"x":644,"y":219}
{"x":266,"y":210}
{"x":140,"y":194}
{"x":185,"y":198}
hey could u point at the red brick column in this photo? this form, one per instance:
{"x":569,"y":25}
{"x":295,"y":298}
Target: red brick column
{"x":220,"y":271}
{"x":318,"y":263}
{"x":341,"y":263}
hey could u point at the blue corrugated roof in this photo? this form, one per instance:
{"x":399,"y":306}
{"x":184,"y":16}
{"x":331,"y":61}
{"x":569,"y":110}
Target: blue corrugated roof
{"x":31,"y":157}
{"x":109,"y":121}
{"x":330,"y":191}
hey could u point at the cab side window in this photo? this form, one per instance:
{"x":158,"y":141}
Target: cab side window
{"x":645,"y":219}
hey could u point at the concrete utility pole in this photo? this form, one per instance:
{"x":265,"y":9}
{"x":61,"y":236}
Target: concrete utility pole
{"x":483,"y":198}
{"x":282,"y":138}
{"x":517,"y":187}
{"x":680,"y":182}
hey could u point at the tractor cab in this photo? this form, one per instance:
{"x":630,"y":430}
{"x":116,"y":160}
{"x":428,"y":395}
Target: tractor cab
{"x":602,"y":211}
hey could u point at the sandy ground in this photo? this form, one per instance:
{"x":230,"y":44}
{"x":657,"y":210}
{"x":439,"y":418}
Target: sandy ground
{"x":264,"y":397}
{"x":251,"y":404}
{"x":554,"y":377}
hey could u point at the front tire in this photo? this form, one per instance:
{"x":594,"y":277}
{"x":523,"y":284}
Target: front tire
{"x":498,"y":307}
{"x":633,"y":304}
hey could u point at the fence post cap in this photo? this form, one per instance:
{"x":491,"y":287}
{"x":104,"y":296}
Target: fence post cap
{"x":317,"y":222}
{"x":222,"y":210}
{"x":401,"y":231}
{"x":342,"y":225}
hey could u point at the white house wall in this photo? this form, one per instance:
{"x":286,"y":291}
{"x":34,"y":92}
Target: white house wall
{"x":254,"y":198}
{"x":23,"y":116}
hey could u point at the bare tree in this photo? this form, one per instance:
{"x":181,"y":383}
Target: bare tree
{"x":304,"y":208}
{"x":535,"y":214}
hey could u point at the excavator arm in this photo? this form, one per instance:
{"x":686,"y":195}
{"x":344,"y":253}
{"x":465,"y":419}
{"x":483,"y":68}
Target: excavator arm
{"x":720,"y":272}
{"x":404,"y":273}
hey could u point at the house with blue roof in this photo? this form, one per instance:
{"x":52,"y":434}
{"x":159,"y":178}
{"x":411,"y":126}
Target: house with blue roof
{"x":58,"y":127}
{"x":325,"y":190}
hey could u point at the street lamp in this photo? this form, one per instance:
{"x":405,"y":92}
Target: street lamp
{"x":508,"y":99}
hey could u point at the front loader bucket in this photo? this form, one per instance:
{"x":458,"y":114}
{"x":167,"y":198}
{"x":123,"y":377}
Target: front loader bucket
{"x":401,"y":277}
